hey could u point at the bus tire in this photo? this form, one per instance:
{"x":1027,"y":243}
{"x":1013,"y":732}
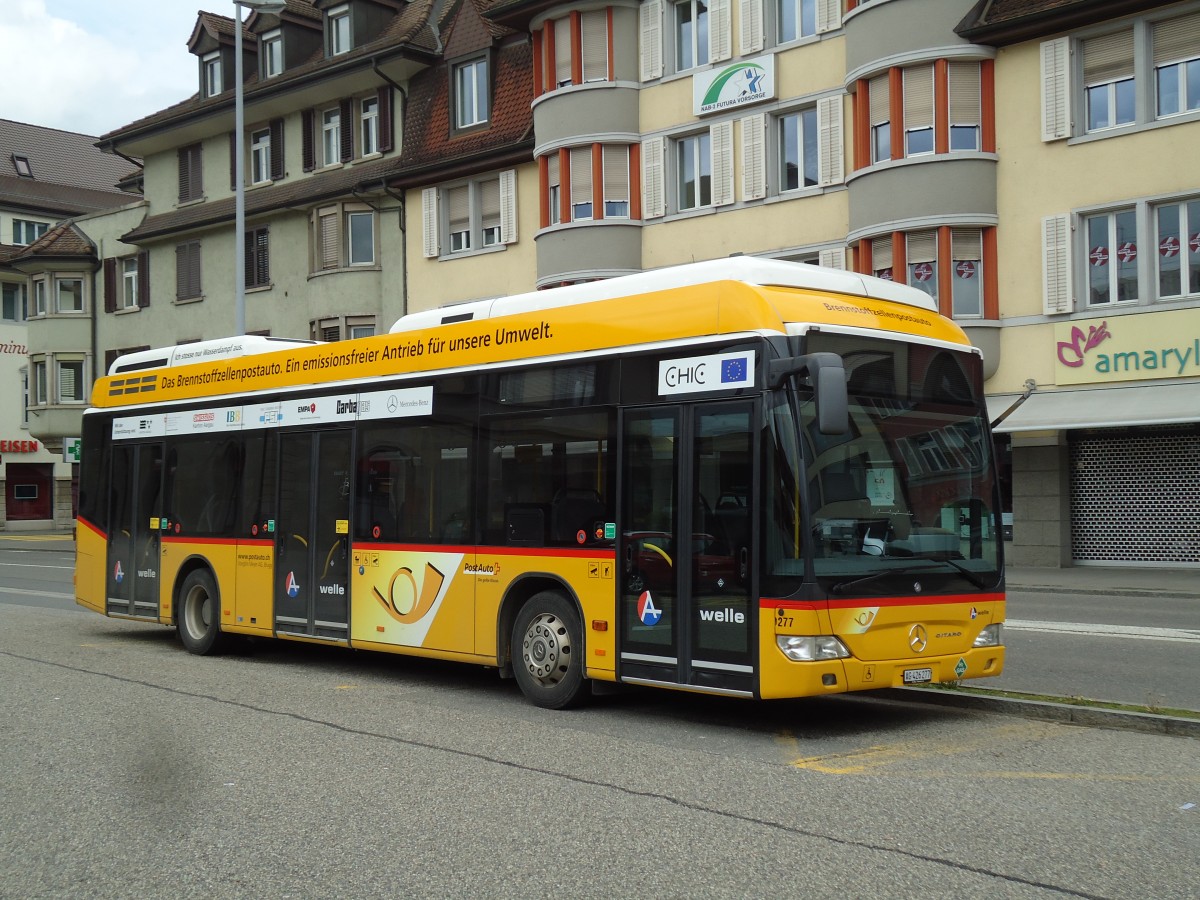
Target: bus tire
{"x":547,"y":651}
{"x":198,"y":613}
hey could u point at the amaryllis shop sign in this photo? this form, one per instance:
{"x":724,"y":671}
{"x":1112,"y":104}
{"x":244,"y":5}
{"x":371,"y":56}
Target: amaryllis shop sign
{"x":1128,"y":348}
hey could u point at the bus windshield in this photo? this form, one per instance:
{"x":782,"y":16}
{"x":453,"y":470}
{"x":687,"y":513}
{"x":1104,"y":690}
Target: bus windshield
{"x":905,"y":501}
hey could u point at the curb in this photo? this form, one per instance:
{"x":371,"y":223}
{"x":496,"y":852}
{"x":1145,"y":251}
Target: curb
{"x":1068,"y":713}
{"x":1101,"y":592}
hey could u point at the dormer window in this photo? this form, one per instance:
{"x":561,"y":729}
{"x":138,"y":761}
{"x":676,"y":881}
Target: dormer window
{"x":471,"y":93}
{"x":339,"y":30}
{"x":212,"y":74}
{"x":272,"y":54}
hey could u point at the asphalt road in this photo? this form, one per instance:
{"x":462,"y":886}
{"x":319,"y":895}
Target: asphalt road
{"x":130,"y":768}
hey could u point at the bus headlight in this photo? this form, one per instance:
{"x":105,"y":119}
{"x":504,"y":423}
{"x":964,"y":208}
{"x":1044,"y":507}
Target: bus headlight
{"x":991,"y":636}
{"x":808,"y":648}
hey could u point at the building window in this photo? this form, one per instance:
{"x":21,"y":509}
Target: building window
{"x":470,"y":93}
{"x":69,"y":294}
{"x":339,"y":30}
{"x":562,"y":52}
{"x":581,"y":184}
{"x":1177,"y":65}
{"x":129,"y":283}
{"x":343,"y":236}
{"x":691,"y":34}
{"x":616,"y":181}
{"x":13,"y":309}
{"x":881,"y":258}
{"x":360,"y":327}
{"x":187,"y":271}
{"x":693,"y":159}
{"x":25,"y":232}
{"x":360,"y":242}
{"x":260,"y":156}
{"x":1108,"y":80}
{"x":272,"y":54}
{"x":966,"y":253}
{"x":39,"y":297}
{"x":593,"y":40}
{"x":921,"y":249}
{"x":1178,"y":249}
{"x":212,"y":74}
{"x":22,"y":166}
{"x":1112,"y":257}
{"x":798,"y":154}
{"x":369,"y":122}
{"x":965,"y":105}
{"x":258,"y":257}
{"x":191,"y":173}
{"x":41,"y":383}
{"x":878,"y":94}
{"x":331,"y":137}
{"x":470,"y":216}
{"x":70,"y":380}
{"x":554,"y":188}
{"x":797,"y":19}
{"x":918,"y":110}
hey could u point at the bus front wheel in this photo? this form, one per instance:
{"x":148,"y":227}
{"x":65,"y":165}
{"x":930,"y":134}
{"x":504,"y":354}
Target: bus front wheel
{"x":198,"y":613}
{"x":547,"y":651}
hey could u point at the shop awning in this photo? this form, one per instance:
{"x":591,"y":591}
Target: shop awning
{"x":1149,"y":404}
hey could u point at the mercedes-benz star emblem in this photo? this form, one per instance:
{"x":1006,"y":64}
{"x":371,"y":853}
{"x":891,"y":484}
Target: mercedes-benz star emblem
{"x":918,"y":638}
{"x":392,"y":403}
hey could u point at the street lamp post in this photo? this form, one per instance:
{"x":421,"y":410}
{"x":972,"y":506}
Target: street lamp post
{"x":239,"y":162}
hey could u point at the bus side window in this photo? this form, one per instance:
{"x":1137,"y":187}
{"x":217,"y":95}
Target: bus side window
{"x":202,"y":490}
{"x":258,"y":486}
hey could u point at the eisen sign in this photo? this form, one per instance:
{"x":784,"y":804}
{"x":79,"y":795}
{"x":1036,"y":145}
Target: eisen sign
{"x":694,"y":374}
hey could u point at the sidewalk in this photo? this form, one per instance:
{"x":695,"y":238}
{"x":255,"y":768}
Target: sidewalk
{"x":1105,"y":580}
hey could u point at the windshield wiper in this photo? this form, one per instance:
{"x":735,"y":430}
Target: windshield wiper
{"x":842,"y":586}
{"x":966,"y":573}
{"x":929,"y":565}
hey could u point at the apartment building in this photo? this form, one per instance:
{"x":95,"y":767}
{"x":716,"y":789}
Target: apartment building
{"x":47,"y":176}
{"x":1022,"y":161}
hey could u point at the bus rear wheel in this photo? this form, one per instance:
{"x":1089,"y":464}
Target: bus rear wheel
{"x":198,"y":613}
{"x":547,"y":652}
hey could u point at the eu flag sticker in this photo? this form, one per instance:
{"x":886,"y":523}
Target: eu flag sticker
{"x":733,"y":371}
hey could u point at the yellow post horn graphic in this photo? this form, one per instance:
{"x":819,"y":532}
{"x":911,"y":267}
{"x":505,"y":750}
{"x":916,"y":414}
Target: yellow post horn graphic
{"x":422,"y":600}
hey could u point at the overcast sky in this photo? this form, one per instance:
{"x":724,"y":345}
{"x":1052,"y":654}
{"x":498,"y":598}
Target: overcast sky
{"x":92,"y":66}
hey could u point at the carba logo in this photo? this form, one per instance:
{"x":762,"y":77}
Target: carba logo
{"x":291,"y":585}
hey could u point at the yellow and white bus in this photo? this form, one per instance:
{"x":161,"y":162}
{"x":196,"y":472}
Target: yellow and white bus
{"x":742,"y":477}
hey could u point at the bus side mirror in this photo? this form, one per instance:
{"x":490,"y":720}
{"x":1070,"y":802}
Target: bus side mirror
{"x":829,"y":384}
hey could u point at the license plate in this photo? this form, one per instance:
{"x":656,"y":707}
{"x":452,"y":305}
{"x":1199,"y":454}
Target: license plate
{"x":918,"y":676}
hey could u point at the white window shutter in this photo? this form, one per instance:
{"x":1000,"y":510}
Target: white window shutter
{"x":834,"y":258}
{"x":722,"y":163}
{"x":651,"y":15}
{"x":508,"y":206}
{"x":429,"y":221}
{"x":1056,"y":89}
{"x":830,"y":144}
{"x":653,"y":193}
{"x":754,"y":153}
{"x":829,"y":15}
{"x":751,"y":31}
{"x":721,"y":36}
{"x":1056,"y":264}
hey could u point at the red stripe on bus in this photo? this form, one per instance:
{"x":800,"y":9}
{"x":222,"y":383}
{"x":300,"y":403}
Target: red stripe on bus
{"x":856,"y":602}
{"x":567,"y":552}
{"x":92,"y":528}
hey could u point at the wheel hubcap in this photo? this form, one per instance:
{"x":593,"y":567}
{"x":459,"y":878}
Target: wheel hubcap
{"x":546,"y":649}
{"x":198,"y":612}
